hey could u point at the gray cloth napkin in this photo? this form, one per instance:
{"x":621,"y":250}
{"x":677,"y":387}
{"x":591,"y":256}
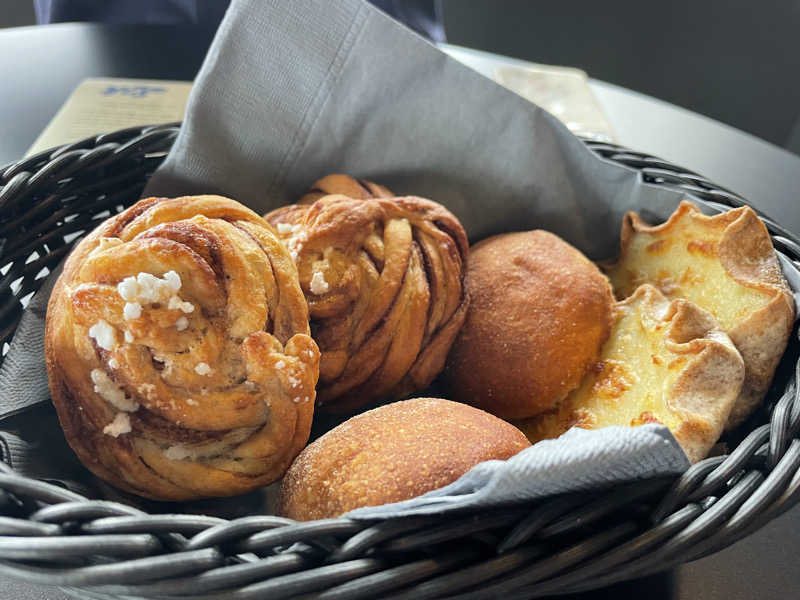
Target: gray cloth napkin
{"x":578,"y":460}
{"x":23,"y":376}
{"x":292,"y":91}
{"x":360,"y":94}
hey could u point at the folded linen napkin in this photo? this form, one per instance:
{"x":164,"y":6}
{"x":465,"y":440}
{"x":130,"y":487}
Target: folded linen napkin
{"x":292,"y":91}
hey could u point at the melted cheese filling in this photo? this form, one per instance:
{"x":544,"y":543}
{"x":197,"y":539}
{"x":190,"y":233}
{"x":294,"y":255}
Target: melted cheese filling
{"x":629,"y":385}
{"x":683,"y":263}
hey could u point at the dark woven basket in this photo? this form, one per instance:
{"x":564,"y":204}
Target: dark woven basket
{"x":565,"y":544}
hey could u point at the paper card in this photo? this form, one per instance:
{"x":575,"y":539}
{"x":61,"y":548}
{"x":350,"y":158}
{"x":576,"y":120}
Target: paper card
{"x":564,"y":92}
{"x":561,"y":91}
{"x":103,"y":105}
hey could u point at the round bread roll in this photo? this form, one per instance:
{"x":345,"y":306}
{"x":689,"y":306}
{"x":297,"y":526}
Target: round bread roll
{"x":392,"y":453}
{"x":539,"y":314}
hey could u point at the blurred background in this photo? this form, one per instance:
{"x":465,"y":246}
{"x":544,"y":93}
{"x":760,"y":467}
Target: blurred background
{"x":16,"y":13}
{"x":720,"y":58}
{"x":733,"y":60}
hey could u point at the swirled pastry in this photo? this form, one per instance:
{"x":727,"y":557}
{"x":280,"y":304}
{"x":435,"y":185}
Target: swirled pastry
{"x":725,"y":264}
{"x":384,"y":280}
{"x":665,"y":362}
{"x":346,"y":186}
{"x":178,"y":350}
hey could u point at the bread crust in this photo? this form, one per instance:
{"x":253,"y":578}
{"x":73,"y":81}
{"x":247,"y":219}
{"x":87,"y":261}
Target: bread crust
{"x":384,"y":278}
{"x":694,"y":370}
{"x":392,"y":453}
{"x":539,"y":313}
{"x":207,"y":407}
{"x":741,"y":242}
{"x":337,"y":183}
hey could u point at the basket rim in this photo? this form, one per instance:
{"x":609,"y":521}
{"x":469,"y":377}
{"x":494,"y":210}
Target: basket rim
{"x":761,"y":477}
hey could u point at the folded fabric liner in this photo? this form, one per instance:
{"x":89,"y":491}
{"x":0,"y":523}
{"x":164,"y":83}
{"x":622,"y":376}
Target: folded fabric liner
{"x":292,"y":91}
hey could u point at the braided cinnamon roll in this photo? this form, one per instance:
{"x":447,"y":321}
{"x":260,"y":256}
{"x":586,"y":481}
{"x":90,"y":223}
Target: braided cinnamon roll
{"x":178,"y":350}
{"x":345,"y":185}
{"x":384,"y":281}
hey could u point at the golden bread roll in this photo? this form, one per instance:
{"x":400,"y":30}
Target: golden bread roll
{"x":725,"y":264}
{"x":384,"y":281}
{"x":392,"y":453}
{"x":178,"y":350}
{"x":665,"y":362}
{"x":539,"y":313}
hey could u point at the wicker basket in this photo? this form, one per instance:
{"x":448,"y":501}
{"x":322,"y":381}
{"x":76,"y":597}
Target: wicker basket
{"x":565,"y":544}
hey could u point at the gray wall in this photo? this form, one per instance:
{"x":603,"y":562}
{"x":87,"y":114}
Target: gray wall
{"x":734,"y":60}
{"x":16,"y":13}
{"x":737,"y":61}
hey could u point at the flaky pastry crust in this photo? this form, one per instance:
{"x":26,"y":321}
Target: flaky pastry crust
{"x":727,"y":265}
{"x":384,"y":281}
{"x":178,"y":350}
{"x":361,"y":189}
{"x":664,"y":362}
